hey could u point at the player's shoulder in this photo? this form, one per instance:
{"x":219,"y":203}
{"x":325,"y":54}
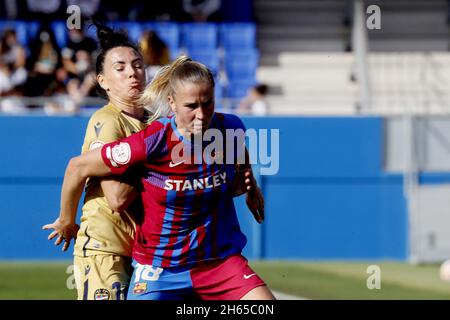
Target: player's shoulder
{"x":106,"y":113}
{"x":104,"y":126}
{"x":229,"y":121}
{"x":158,"y":125}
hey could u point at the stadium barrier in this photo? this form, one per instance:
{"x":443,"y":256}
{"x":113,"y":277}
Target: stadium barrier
{"x":331,"y":198}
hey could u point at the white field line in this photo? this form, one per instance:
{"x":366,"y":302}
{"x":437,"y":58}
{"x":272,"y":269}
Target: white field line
{"x":284,"y":296}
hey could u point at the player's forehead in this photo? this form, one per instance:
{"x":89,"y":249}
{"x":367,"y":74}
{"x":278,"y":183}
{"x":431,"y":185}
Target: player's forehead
{"x":185,"y":89}
{"x":122,"y":55}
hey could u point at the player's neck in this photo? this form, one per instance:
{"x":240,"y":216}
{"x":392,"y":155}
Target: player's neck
{"x":135,"y":112}
{"x":186,"y":135}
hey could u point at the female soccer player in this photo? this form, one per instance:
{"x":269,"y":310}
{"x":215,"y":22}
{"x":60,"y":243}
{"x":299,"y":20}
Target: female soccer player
{"x":189,"y":241}
{"x":104,"y":241}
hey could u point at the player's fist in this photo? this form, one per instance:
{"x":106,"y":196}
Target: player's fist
{"x":64,"y":231}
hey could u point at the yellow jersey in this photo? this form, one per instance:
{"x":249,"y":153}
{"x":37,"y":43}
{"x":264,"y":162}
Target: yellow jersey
{"x":102,"y":230}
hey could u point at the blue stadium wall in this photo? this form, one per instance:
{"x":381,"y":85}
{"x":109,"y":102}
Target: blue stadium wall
{"x":329,"y":200}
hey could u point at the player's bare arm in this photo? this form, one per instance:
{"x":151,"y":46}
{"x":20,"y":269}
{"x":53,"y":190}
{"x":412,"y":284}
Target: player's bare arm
{"x":118,"y":193}
{"x":246,"y":182}
{"x":77,"y":171}
{"x":254,"y":196}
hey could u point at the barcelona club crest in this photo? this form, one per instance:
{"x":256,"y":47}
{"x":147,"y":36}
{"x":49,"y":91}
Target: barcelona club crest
{"x":140,"y":287}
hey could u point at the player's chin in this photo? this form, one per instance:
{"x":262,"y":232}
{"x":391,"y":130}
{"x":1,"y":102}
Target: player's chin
{"x":199,"y":129}
{"x":197,"y":132}
{"x":134,"y":93}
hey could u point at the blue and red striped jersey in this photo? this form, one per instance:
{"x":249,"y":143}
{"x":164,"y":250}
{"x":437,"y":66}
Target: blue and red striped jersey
{"x":189,"y":214}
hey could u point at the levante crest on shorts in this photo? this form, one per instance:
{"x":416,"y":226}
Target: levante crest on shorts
{"x":140,"y":287}
{"x":101,"y":294}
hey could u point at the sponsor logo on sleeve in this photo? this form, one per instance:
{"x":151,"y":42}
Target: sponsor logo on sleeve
{"x":96,"y":144}
{"x":98,"y":127}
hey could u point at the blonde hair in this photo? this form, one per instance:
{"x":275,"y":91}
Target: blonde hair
{"x":183,"y":69}
{"x":154,"y":50}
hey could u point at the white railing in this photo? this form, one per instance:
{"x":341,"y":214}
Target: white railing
{"x":361,"y":68}
{"x":410,"y":83}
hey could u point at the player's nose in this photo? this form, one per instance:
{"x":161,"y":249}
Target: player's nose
{"x":200,"y":113}
{"x":131,"y":72}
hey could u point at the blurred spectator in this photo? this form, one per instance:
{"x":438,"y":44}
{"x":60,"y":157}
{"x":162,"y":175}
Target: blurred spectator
{"x":83,"y":84}
{"x":61,"y":102}
{"x":46,"y":10}
{"x":168,"y":10}
{"x":74,"y":63}
{"x":77,"y":73}
{"x":8,"y":102}
{"x":89,"y":8}
{"x":9,"y":9}
{"x":75,"y":80}
{"x":203,"y":10}
{"x":13,"y":74}
{"x":155,"y":53}
{"x":255,"y":101}
{"x":44,"y":60}
{"x":13,"y":55}
{"x":5,"y":81}
{"x":114,"y":10}
{"x":43,"y":63}
{"x":79,"y":41}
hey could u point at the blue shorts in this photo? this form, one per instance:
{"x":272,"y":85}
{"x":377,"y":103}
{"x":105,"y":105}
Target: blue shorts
{"x":226,"y":279}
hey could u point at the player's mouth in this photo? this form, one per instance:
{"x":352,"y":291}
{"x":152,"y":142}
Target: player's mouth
{"x":200,"y":126}
{"x":135,"y":85}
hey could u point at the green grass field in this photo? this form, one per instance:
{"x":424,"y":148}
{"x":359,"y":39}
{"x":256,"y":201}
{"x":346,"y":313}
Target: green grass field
{"x":306,"y":279}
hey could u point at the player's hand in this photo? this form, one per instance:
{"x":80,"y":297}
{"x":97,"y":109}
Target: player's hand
{"x":64,"y":231}
{"x":254,"y":197}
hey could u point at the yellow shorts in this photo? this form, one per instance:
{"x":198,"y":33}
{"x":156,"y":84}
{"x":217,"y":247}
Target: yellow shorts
{"x":102,"y":277}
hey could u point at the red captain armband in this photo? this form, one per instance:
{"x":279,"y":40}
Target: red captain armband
{"x":117,"y":156}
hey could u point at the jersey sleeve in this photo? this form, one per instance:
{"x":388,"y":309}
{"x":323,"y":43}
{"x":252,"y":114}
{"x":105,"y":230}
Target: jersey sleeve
{"x":125,"y":153}
{"x":135,"y":149}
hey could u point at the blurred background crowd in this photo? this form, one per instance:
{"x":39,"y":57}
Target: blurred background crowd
{"x":46,"y":66}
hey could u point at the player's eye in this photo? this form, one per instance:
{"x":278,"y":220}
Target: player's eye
{"x":191,"y":105}
{"x":207,"y":104}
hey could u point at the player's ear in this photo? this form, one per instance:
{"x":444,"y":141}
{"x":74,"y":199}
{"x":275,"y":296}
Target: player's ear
{"x":171,"y":103}
{"x":101,"y":81}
